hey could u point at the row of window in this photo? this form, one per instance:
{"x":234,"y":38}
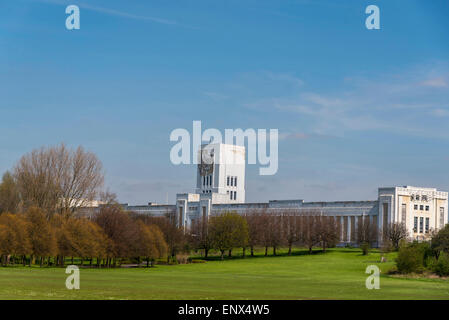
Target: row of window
{"x":421,"y":225}
{"x":232,"y":195}
{"x":421,"y":207}
{"x":207,"y":180}
{"x":206,"y":191}
{"x":231,"y":181}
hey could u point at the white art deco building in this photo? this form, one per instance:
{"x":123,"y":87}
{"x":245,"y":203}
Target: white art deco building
{"x":220,"y":187}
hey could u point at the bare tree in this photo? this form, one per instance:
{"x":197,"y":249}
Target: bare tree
{"x":9,"y":195}
{"x":395,"y":232}
{"x":272,"y":235}
{"x":367,"y":233}
{"x":327,"y":230}
{"x":255,"y":228}
{"x":199,"y":235}
{"x":58,"y":178}
{"x":310,"y":233}
{"x":292,"y":228}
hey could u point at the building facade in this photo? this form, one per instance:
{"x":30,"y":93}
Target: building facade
{"x":220,"y":187}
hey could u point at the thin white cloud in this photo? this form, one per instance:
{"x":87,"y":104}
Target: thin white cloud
{"x":440,"y":112}
{"x":436,"y":83}
{"x":113,"y":12}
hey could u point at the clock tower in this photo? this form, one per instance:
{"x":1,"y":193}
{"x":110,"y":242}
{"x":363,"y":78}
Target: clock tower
{"x":221,"y":171}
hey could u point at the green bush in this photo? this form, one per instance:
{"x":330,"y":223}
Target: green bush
{"x":410,"y":259}
{"x":441,"y":266}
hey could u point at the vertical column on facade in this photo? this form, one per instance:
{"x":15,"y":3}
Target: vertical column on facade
{"x":356,"y":228}
{"x":349,"y":229}
{"x":338,"y":224}
{"x":342,"y":232}
{"x":345,"y":229}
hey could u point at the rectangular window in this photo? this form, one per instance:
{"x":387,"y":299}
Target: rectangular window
{"x":230,"y":195}
{"x":204,"y":180}
{"x":385,"y":217}
{"x":441,"y":217}
{"x":416,"y":207}
{"x":427,"y":208}
{"x":404,"y":213}
{"x":421,"y":224}
{"x":235,"y":181}
{"x":180,"y":217}
{"x":228,"y":181}
{"x":235,"y":195}
{"x":421,"y":207}
{"x":427,"y":225}
{"x":415,"y":224}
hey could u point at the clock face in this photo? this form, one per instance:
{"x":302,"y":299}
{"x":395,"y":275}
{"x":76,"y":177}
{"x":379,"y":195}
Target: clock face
{"x":206,"y":166}
{"x":206,"y":169}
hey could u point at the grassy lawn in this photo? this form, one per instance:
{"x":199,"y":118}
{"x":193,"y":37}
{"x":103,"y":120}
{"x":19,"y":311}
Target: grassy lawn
{"x":338,"y":274}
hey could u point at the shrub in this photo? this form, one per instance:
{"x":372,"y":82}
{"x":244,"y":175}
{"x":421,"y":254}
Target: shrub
{"x":441,"y":266}
{"x":365,"y":248}
{"x":410,"y":259}
{"x":198,"y":261}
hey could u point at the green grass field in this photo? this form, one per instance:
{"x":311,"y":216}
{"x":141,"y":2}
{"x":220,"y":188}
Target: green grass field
{"x":338,"y":274}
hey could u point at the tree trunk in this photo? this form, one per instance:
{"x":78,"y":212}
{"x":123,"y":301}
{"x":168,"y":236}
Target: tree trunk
{"x":310,"y":250}
{"x":230,"y":253}
{"x":252,"y":251}
{"x":266,"y":251}
{"x":289,"y":249}
{"x":206,"y":252}
{"x":148,"y":262}
{"x":244,"y":252}
{"x":274,"y":251}
{"x":41,"y":261}
{"x":222,"y":254}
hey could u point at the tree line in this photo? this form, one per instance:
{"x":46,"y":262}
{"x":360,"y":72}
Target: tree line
{"x":260,"y":228}
{"x":40,"y":221}
{"x":105,"y":240}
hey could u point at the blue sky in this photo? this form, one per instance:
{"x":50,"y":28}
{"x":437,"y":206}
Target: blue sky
{"x":356,"y":109}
